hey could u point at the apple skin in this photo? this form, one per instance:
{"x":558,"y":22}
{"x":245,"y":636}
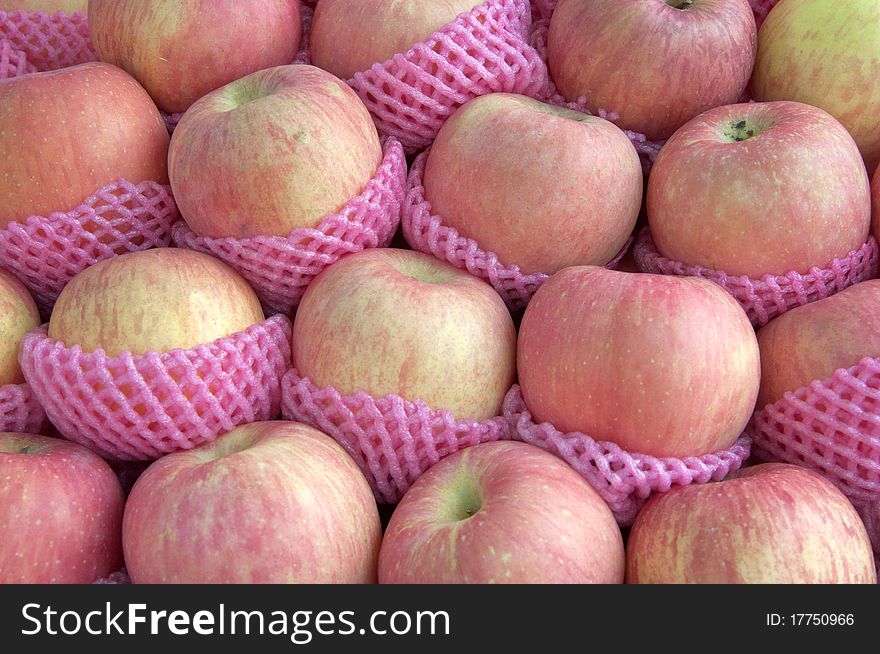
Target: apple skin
{"x":770,"y":524}
{"x":270,"y":502}
{"x":399,"y":322}
{"x":70,"y":132}
{"x":502,"y":512}
{"x":825,"y":54}
{"x":181,"y":50}
{"x":812,"y":341}
{"x":155,"y":300}
{"x":349,"y":37}
{"x":60,"y":512}
{"x":583,"y":191}
{"x":665,"y":366}
{"x":606,"y":51}
{"x":46,"y":6}
{"x":277,"y":150}
{"x":765,"y":204}
{"x":18,"y":315}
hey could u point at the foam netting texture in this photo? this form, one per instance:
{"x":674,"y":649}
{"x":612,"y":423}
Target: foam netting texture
{"x":281,"y":268}
{"x":769,"y":296}
{"x":142,"y":407}
{"x":425,"y":231}
{"x":393,"y":440}
{"x":833,"y":427}
{"x":19,"y":410}
{"x":483,"y":51}
{"x":46,"y":252}
{"x":34,"y":41}
{"x":625,"y":480}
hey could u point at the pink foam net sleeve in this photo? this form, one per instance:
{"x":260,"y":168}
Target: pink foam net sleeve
{"x":280,"y":268}
{"x":142,"y":407}
{"x":769,"y":296}
{"x":46,"y":252}
{"x":19,"y":410}
{"x":624,"y":480}
{"x":393,"y":440}
{"x":832,"y":426}
{"x":483,"y":51}
{"x":425,"y":231}
{"x":48,"y":42}
{"x":13,"y":62}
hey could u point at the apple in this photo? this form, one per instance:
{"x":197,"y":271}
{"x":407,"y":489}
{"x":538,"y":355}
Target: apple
{"x":155,"y":300}
{"x":656,"y":63}
{"x":18,"y":315}
{"x":543,"y":187}
{"x":60,"y":512}
{"x":770,"y":524}
{"x":812,"y":341}
{"x":68,"y":133}
{"x":502,"y":512}
{"x":272,"y":152}
{"x":665,"y":366}
{"x":46,"y":6}
{"x":746,"y":189}
{"x":398,"y":322}
{"x":825,"y":54}
{"x":875,"y":193}
{"x":182,"y":49}
{"x":270,"y":502}
{"x":349,"y":37}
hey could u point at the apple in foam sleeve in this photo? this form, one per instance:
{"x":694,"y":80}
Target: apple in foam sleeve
{"x":542,"y":187}
{"x":18,"y":315}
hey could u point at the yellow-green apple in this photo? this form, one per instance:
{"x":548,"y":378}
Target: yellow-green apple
{"x":270,"y":502}
{"x":666,"y":366}
{"x":826,"y":54}
{"x":46,"y":6}
{"x":349,"y":36}
{"x":272,"y":152}
{"x":543,"y":187}
{"x":502,"y":513}
{"x":746,"y":189}
{"x":812,"y":341}
{"x":875,"y":188}
{"x":398,"y":322}
{"x":656,"y":63}
{"x":18,"y":315}
{"x":770,"y":524}
{"x":68,"y":133}
{"x":60,"y":512}
{"x":155,"y":300}
{"x":182,"y":49}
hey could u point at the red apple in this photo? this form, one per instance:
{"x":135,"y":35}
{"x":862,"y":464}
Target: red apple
{"x":825,"y":54}
{"x":46,"y":6}
{"x":746,"y":189}
{"x":270,"y":502}
{"x":155,"y":300}
{"x":502,"y":513}
{"x":272,"y":152}
{"x":394,"y":321}
{"x":349,"y":37}
{"x":771,"y":524}
{"x":60,"y":512}
{"x":812,"y":341}
{"x":666,"y":366}
{"x":182,"y":49}
{"x":541,"y":186}
{"x":657,"y":63}
{"x":68,"y":133}
{"x":18,"y":315}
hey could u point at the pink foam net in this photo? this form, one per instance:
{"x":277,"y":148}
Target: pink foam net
{"x":142,"y":407}
{"x":769,"y":296}
{"x":425,"y":231}
{"x":47,"y":42}
{"x":393,"y":440}
{"x":13,"y":63}
{"x":19,"y":410}
{"x":483,"y":51}
{"x":280,"y":268}
{"x":623,"y":479}
{"x":832,"y":426}
{"x":46,"y":252}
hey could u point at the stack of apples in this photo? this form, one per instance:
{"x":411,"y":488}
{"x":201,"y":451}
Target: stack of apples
{"x":661,"y":371}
